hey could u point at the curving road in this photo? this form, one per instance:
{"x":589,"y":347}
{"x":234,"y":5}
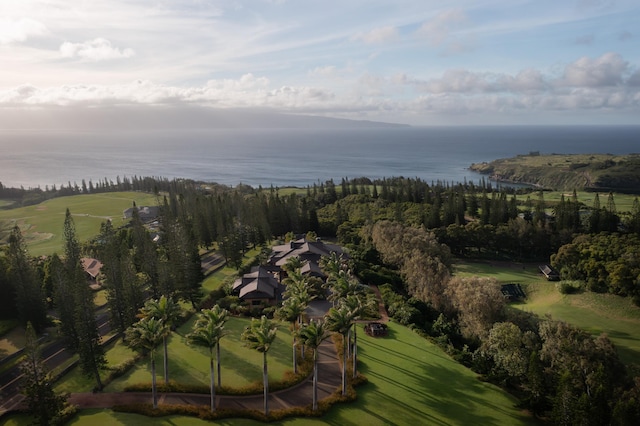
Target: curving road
{"x":54,"y":354}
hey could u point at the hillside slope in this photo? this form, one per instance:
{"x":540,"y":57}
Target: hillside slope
{"x":619,"y":173}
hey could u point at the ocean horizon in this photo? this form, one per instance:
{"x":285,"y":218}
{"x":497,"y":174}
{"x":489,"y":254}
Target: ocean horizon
{"x":283,"y":157}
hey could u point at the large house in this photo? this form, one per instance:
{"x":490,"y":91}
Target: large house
{"x":308,"y":251}
{"x":260,"y":286}
{"x":264,"y":283}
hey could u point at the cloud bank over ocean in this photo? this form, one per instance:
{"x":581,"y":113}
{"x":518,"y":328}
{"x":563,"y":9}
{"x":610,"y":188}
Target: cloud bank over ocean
{"x":415,"y":62}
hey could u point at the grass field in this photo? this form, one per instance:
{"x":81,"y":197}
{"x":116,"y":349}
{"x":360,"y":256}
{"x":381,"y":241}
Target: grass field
{"x":42,"y":224}
{"x":411,"y":381}
{"x":189,"y":365}
{"x":12,"y":338}
{"x":6,"y":203}
{"x":215,"y":280}
{"x":76,"y":381}
{"x":595,"y":313}
{"x":505,"y":272}
{"x":623,"y":202}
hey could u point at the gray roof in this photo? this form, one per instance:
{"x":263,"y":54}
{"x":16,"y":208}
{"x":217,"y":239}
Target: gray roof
{"x":258,"y":284}
{"x":310,"y":251}
{"x":146,"y":213}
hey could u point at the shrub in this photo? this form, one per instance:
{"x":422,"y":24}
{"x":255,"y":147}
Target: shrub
{"x":204,"y":413}
{"x":65,"y":415}
{"x":121,"y":369}
{"x":569,"y":287}
{"x":596,"y":286}
{"x":305,"y":368}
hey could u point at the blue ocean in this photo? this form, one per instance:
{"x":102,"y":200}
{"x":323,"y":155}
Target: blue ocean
{"x":288,"y":157}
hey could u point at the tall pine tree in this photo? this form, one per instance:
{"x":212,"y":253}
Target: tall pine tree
{"x":88,"y":345}
{"x":29,"y":300}
{"x":43,"y":402}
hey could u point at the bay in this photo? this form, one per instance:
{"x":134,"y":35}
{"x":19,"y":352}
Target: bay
{"x":288,"y":156}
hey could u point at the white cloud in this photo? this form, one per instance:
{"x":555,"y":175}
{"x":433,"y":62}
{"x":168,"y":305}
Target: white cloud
{"x":525,"y":81}
{"x":99,"y":49}
{"x":607,"y":70}
{"x":604,"y":83}
{"x":378,"y":35}
{"x":328,"y":71}
{"x":17,"y":31}
{"x":438,"y":30}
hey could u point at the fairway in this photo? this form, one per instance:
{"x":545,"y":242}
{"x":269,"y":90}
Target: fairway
{"x":411,"y":382}
{"x":42,"y":224}
{"x":596,"y":313}
{"x":505,"y":272}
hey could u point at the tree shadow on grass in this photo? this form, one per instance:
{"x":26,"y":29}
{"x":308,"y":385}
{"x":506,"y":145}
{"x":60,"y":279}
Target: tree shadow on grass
{"x":421,"y":376}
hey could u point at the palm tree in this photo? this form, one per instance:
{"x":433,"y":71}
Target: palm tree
{"x":299,"y":290}
{"x":207,"y":332}
{"x":293,"y":264}
{"x":259,"y":336}
{"x":168,"y":311}
{"x":313,"y":335}
{"x":291,"y":310}
{"x":294,"y":281}
{"x":331,"y":265}
{"x":344,"y":285}
{"x":340,"y":320}
{"x":145,"y":336}
{"x":357,"y":304}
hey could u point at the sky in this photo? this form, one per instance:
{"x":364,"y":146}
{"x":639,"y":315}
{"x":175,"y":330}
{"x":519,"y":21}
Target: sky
{"x":418,"y":62}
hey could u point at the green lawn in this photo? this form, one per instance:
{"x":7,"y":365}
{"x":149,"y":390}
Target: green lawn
{"x":596,"y":313}
{"x":6,"y":203}
{"x":190,"y":365}
{"x":215,"y":280}
{"x":624,"y":202}
{"x":76,"y":381}
{"x":12,"y":337}
{"x":411,"y":381}
{"x":110,"y":418}
{"x":504,"y":272}
{"x":42,"y":224}
{"x":100,"y":297}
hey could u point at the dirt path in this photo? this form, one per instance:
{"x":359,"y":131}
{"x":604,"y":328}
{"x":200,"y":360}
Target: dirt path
{"x":384,"y":317}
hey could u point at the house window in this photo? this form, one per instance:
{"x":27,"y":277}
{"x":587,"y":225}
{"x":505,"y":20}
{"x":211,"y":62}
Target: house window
{"x":256,"y":302}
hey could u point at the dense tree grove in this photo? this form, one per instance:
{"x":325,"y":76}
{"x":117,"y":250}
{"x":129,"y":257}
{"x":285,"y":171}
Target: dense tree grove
{"x":606,"y":262}
{"x":559,"y":371}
